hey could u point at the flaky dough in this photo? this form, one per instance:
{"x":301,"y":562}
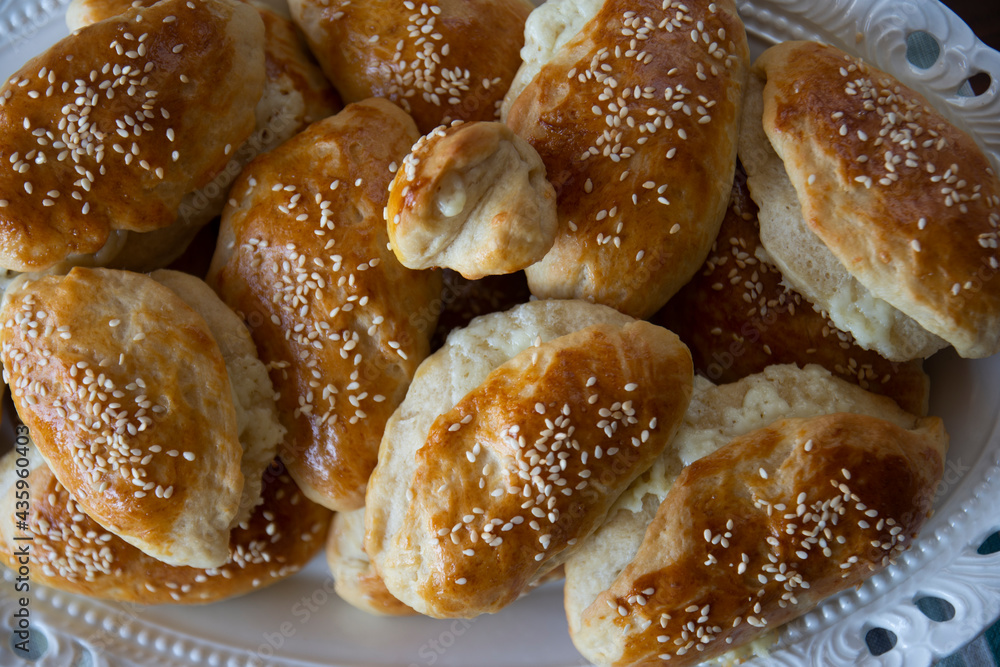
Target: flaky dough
{"x":623,"y":550}
{"x":126,"y":394}
{"x":295,"y":94}
{"x":340,"y":323}
{"x":906,"y":202}
{"x":440,"y":60}
{"x":186,"y":101}
{"x":512,"y":443}
{"x":636,"y":123}
{"x":471,"y":197}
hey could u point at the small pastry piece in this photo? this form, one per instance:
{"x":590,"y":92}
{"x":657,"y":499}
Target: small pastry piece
{"x":634,"y":108}
{"x":295,"y":95}
{"x":473,"y":198}
{"x":441,"y":60}
{"x":355,"y":578}
{"x":73,"y":553}
{"x":138,"y":402}
{"x":873,"y":205}
{"x":513,"y":441}
{"x":738,"y":317}
{"x":104,"y":132}
{"x":734,"y":542}
{"x":340,"y":323}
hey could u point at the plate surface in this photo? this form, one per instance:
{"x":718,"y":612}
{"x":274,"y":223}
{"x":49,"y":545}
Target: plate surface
{"x":302,"y":622}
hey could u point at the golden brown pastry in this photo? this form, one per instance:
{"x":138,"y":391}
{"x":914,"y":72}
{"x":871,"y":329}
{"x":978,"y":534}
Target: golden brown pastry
{"x":471,"y":197}
{"x":738,"y":316}
{"x":340,"y":323}
{"x":355,"y":578}
{"x":440,"y":60}
{"x":634,"y":108}
{"x":258,"y":427}
{"x":110,"y":128}
{"x":511,"y":445}
{"x":295,"y":95}
{"x":73,"y":553}
{"x":147,"y":401}
{"x":884,"y":214}
{"x":726,"y":530}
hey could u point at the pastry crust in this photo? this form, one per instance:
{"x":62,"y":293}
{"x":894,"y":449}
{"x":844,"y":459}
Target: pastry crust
{"x":440,"y":60}
{"x":738,"y":316}
{"x":471,"y":197}
{"x":295,"y":94}
{"x":636,"y":123}
{"x":126,"y":394}
{"x":864,"y":152}
{"x":718,"y":416}
{"x":121,"y":150}
{"x":355,"y":578}
{"x":257,"y":424}
{"x":496,"y":465}
{"x":719,"y":554}
{"x":73,"y":553}
{"x":806,"y":263}
{"x":340,"y":323}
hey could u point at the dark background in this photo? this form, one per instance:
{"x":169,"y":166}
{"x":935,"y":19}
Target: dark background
{"x":983,"y":16}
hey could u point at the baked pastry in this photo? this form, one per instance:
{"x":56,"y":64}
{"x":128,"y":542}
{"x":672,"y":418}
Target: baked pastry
{"x":302,"y":257}
{"x":105,"y":133}
{"x":146,"y":400}
{"x":258,"y":427}
{"x":738,"y":317}
{"x":354,"y":577}
{"x":72,"y":552}
{"x":873,"y":205}
{"x":295,"y":95}
{"x":471,"y":197}
{"x":634,"y":108}
{"x":514,"y":440}
{"x":463,"y":300}
{"x":779,"y":490}
{"x":440,"y":60}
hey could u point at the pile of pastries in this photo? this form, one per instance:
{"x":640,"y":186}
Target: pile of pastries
{"x":476,"y":295}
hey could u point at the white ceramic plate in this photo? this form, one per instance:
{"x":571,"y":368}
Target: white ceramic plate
{"x":301,"y":622}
